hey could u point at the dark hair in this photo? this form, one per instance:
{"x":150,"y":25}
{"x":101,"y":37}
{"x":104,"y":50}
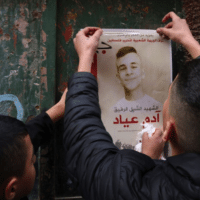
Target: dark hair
{"x":185,"y":106}
{"x":13,"y":152}
{"x":125,"y":50}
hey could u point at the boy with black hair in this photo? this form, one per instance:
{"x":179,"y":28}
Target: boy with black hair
{"x":104,"y":172}
{"x":18,"y":145}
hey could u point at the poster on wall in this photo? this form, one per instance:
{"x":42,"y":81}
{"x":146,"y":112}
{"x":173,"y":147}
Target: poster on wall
{"x":134,"y":71}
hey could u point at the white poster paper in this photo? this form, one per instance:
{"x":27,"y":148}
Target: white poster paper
{"x":134,"y":71}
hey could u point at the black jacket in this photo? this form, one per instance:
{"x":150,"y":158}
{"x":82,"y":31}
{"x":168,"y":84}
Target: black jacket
{"x":40,"y":129}
{"x":104,"y":172}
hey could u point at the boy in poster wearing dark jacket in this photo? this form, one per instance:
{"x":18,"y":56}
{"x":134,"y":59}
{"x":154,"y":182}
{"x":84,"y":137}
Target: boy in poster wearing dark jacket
{"x":104,"y":172}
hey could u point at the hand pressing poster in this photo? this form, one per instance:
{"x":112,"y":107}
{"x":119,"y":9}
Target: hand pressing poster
{"x":134,"y":71}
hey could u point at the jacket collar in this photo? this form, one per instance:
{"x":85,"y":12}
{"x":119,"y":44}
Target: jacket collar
{"x":187,"y":164}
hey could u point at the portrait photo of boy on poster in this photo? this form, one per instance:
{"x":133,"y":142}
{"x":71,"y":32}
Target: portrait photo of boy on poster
{"x":134,"y":71}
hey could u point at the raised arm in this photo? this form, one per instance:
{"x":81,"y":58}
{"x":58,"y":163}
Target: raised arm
{"x":57,"y":111}
{"x":98,"y":167}
{"x":85,"y":43}
{"x":178,"y":31}
{"x":41,"y":127}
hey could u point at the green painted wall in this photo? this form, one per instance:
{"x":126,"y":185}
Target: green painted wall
{"x":23,"y":55}
{"x":27,"y":62}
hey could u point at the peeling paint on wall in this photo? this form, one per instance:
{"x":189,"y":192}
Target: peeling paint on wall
{"x":119,"y":7}
{"x":15,"y":39}
{"x":61,"y":52}
{"x":71,"y":15}
{"x":12,"y":73}
{"x":21,"y":25}
{"x":44,"y":53}
{"x":68,"y":33}
{"x":44,"y":37}
{"x":37,"y":14}
{"x":43,"y":80}
{"x":23,"y":60}
{"x":44,"y":6}
{"x":23,"y":9}
{"x":22,"y":51}
{"x":25,"y":42}
{"x":1,"y":31}
{"x":63,"y":85}
{"x":5,"y":37}
{"x":146,"y":9}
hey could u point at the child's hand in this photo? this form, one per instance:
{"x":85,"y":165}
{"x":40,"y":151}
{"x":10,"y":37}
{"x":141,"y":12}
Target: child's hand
{"x":153,"y":146}
{"x":86,"y":42}
{"x":177,"y":30}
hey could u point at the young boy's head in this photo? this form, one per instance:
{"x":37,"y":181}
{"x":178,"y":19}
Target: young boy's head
{"x":129,"y":68}
{"x":17,"y":171}
{"x":181,"y":111}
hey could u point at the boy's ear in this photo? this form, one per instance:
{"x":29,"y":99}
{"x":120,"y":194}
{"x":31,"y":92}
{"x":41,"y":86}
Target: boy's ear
{"x":169,"y":131}
{"x":11,"y":189}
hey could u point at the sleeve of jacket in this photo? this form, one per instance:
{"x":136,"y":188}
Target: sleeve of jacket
{"x":40,"y":129}
{"x":100,"y":169}
{"x":197,"y":58}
